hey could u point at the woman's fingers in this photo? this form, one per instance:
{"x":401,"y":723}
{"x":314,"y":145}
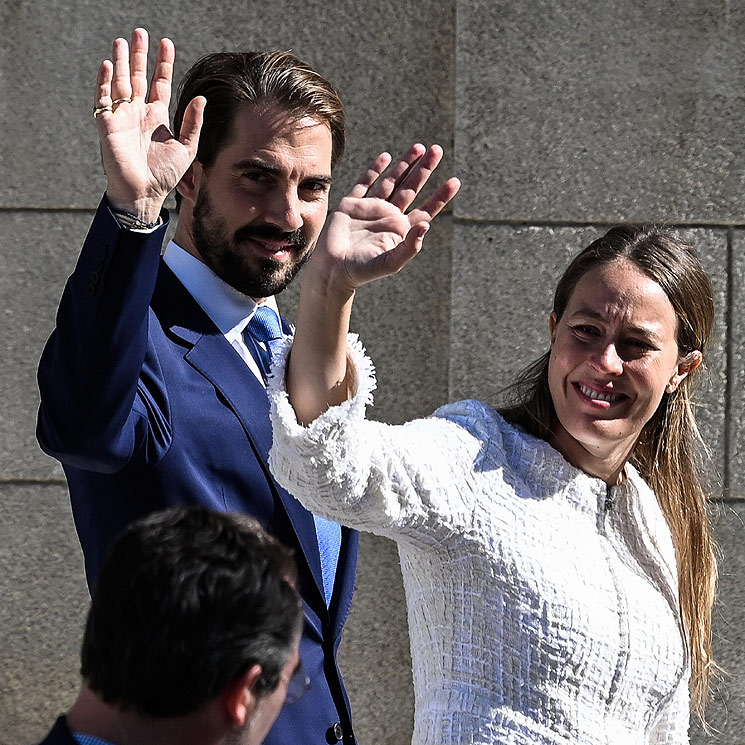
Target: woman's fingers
{"x":370,"y":176}
{"x":435,"y":203}
{"x":383,"y":188}
{"x":405,"y":180}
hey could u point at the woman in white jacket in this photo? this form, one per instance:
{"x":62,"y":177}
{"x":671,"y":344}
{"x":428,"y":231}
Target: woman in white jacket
{"x":556,"y":554}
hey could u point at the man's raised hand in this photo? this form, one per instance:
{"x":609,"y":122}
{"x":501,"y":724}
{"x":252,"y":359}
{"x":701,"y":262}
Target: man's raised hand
{"x":142,"y":158}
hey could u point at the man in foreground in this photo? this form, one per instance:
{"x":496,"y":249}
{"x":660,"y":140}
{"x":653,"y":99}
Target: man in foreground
{"x":192,"y":636}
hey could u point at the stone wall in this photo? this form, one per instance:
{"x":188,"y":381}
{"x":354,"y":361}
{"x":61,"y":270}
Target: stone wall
{"x":560,"y":118}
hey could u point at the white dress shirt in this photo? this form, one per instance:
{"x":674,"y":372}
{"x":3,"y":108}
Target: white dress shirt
{"x":229,"y":309}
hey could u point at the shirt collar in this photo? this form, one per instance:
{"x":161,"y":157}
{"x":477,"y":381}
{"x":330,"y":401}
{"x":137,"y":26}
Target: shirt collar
{"x":83,"y":739}
{"x":229,"y":309}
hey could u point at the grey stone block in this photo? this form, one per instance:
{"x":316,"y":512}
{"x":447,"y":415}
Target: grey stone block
{"x":736,"y":422}
{"x":503,"y":283}
{"x":600,"y":111}
{"x":726,"y":713}
{"x":403,"y":321}
{"x":392,"y":62}
{"x":42,"y":613}
{"x":39,"y":252}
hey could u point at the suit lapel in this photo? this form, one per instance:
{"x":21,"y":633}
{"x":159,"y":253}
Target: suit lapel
{"x":212,"y":355}
{"x":345,"y":575}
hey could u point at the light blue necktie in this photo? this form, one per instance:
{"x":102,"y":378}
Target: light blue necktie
{"x":265,"y":327}
{"x":328,"y":534}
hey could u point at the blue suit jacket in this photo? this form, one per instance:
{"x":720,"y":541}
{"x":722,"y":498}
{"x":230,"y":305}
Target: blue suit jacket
{"x":59,"y":734}
{"x":147,"y":406}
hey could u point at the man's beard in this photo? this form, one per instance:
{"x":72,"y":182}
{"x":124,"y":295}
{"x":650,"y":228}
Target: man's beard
{"x":255,"y":276}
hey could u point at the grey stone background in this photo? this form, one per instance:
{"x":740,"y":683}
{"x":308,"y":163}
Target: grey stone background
{"x":560,"y":116}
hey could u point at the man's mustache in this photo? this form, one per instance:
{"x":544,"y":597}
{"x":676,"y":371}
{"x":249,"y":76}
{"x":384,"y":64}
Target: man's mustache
{"x":270,"y":232}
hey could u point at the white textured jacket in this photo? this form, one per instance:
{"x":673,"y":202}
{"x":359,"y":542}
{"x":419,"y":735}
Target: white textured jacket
{"x":542,"y":604}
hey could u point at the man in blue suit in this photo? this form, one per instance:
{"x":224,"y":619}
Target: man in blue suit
{"x":153,"y":382}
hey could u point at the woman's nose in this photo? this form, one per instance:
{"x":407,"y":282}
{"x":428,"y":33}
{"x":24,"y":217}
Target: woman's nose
{"x":608,"y":360}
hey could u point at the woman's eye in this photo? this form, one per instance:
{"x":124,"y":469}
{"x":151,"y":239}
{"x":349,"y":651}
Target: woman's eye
{"x":638,"y":344}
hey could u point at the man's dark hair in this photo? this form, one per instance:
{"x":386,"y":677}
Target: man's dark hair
{"x":232,"y":80}
{"x":186,"y":602}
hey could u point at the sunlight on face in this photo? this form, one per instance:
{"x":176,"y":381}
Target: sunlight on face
{"x":613,"y":355}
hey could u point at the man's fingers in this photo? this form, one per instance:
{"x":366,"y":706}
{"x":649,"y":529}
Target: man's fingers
{"x":138,"y":64}
{"x":103,"y":84}
{"x":160,"y":88}
{"x":121,"y":86}
{"x":371,"y":175}
{"x":192,"y":124}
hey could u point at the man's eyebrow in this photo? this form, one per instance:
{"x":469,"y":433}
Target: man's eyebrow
{"x":645,"y":331}
{"x":589,"y":313}
{"x":260,"y":165}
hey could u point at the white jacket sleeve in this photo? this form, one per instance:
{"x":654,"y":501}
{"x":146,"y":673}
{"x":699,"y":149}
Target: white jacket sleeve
{"x":409,"y":482}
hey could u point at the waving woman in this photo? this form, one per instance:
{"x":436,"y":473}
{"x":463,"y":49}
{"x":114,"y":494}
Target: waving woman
{"x":556,"y":553}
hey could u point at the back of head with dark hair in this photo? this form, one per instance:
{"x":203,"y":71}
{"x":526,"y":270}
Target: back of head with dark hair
{"x":186,"y":602}
{"x":231,"y":80}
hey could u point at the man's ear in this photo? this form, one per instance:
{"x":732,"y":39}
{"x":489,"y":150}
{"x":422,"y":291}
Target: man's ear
{"x":188,"y":187}
{"x":240,"y":697}
{"x":685,"y":366}
{"x":552,"y":321}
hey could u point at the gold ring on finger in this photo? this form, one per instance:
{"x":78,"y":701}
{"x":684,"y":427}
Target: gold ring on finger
{"x":117,"y":101}
{"x":100,"y":109}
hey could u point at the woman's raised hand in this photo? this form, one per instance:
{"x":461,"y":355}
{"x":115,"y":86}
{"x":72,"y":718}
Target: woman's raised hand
{"x":371,"y":234}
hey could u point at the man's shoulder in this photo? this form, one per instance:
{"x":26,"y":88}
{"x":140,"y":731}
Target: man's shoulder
{"x":59,"y":734}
